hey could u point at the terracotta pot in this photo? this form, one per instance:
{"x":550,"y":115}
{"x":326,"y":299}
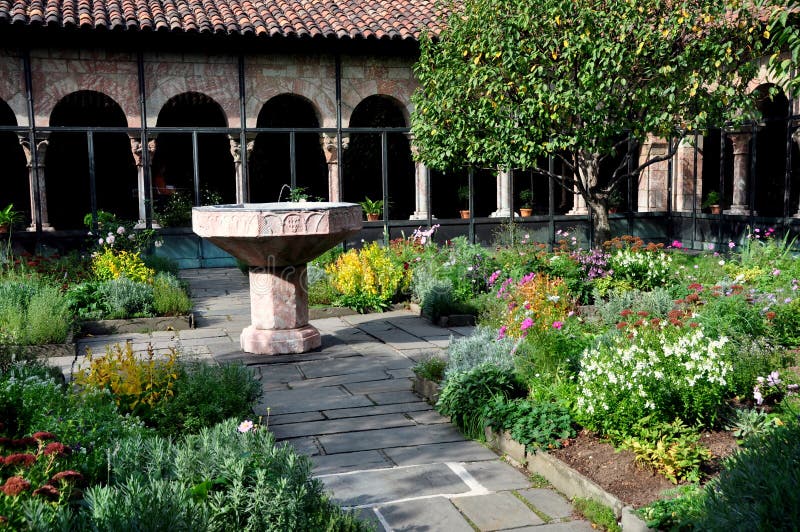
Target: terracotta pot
{"x":464,"y":214}
{"x":715,"y":209}
{"x":3,"y":229}
{"x":373,"y":216}
{"x":525,"y":212}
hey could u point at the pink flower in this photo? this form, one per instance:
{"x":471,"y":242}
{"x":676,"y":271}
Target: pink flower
{"x":245,"y":426}
{"x":731,"y":245}
{"x":502,"y":332}
{"x":526,"y":324}
{"x":677,"y":244}
{"x":558,"y":325}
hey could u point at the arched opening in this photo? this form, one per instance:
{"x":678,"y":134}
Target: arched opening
{"x":173,"y":160}
{"x":67,"y":162}
{"x":715,"y":175}
{"x":770,"y":151}
{"x":361,"y":161}
{"x":14,"y":184}
{"x":270,"y":164}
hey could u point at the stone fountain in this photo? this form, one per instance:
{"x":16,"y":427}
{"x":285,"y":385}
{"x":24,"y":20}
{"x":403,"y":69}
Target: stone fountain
{"x":276,"y":240}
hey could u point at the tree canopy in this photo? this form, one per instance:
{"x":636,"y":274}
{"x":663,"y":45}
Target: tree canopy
{"x":510,"y":81}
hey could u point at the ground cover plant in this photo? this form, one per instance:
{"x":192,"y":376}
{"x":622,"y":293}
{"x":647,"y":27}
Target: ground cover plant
{"x":145,"y":441}
{"x":674,"y":345}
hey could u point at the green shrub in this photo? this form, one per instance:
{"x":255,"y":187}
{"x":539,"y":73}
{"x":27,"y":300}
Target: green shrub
{"x":464,"y":395}
{"x":219,"y":479}
{"x":535,"y":425}
{"x":33,"y":312}
{"x":112,"y":264}
{"x":646,"y":370}
{"x":671,"y":449}
{"x":160,"y":263}
{"x":785,"y":324}
{"x":204,"y":395}
{"x":482,"y":347}
{"x":601,"y":516}
{"x":757,"y":488}
{"x":320,"y":290}
{"x":657,"y":303}
{"x":732,"y":316}
{"x":86,"y":300}
{"x":366,"y":279}
{"x":435,"y":296}
{"x":169,"y":296}
{"x":750,"y":357}
{"x":431,"y":368}
{"x":126,"y":298}
{"x":682,"y":506}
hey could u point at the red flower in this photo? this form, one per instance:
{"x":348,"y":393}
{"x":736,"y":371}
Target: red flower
{"x":696,"y":286}
{"x":770,"y":315}
{"x":56,"y":448}
{"x":69,"y":475}
{"x":625,"y":313}
{"x":43,"y":436}
{"x":694,"y":325}
{"x":25,"y":460}
{"x":656,"y":322}
{"x":24,"y":442}
{"x":14,"y":486}
{"x":622,"y":325}
{"x":48,"y":490}
{"x":691,"y":298}
{"x":643,"y":313}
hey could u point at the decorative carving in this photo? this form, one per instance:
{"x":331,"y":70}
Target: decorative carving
{"x":236,"y":149}
{"x":136,"y":150}
{"x":291,"y":223}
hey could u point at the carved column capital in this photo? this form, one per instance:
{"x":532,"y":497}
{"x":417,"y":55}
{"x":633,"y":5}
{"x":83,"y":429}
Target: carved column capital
{"x":741,"y":143}
{"x":136,"y":150}
{"x":236,"y":148}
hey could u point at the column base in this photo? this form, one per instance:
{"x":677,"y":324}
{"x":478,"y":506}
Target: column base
{"x":45,"y":227}
{"x":741,"y":210}
{"x":580,"y":212}
{"x":420,"y":216}
{"x":280,"y":341}
{"x":501,"y":213}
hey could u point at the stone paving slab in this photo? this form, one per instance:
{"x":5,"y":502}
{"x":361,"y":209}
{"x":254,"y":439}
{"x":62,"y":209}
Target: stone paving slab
{"x":349,"y":379}
{"x":377,"y":410}
{"x":497,"y":511}
{"x":548,"y":502}
{"x":293,"y":401}
{"x":425,"y":514}
{"x":345,"y":462}
{"x":339,"y":366}
{"x":455,"y":451}
{"x":377,"y":387}
{"x":428,"y":417}
{"x":337,"y":426}
{"x":307,"y":446}
{"x":569,"y":526}
{"x":497,"y":475}
{"x":282,"y":419}
{"x":387,"y":398}
{"x":387,"y":485}
{"x":386,"y":438}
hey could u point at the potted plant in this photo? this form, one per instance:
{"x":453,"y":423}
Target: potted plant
{"x":526,"y":197}
{"x":712,"y":202}
{"x":463,"y":195}
{"x":8,"y":217}
{"x":615,"y":201}
{"x":373,"y":209}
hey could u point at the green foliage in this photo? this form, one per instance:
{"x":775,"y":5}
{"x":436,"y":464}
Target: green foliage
{"x":671,"y":449}
{"x":371,"y":207}
{"x":32,"y":311}
{"x":732,"y":316}
{"x":126,"y":298}
{"x":748,"y":422}
{"x":177,"y":211}
{"x":366,"y":279}
{"x":676,"y":512}
{"x":533,"y":424}
{"x":785,"y":324}
{"x":464,"y":395}
{"x":657,"y":303}
{"x":757,"y":488}
{"x":431,"y":368}
{"x":480,"y":348}
{"x":160,"y":263}
{"x":169,"y":296}
{"x":219,"y":479}
{"x":601,"y":516}
{"x":652,"y":371}
{"x":639,"y":269}
{"x":204,"y":395}
{"x":751,"y":357}
{"x":712,"y":198}
{"x":549,"y":352}
{"x":9,"y":216}
{"x":86,"y":300}
{"x":435,"y":295}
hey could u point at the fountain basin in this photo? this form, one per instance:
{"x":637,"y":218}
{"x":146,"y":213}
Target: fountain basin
{"x":276,"y":240}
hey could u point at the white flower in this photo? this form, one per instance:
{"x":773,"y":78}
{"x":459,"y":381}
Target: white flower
{"x":120,"y":230}
{"x":722,"y":262}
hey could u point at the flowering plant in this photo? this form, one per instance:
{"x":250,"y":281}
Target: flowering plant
{"x":367,"y":278}
{"x":652,"y":368}
{"x":534,"y":302}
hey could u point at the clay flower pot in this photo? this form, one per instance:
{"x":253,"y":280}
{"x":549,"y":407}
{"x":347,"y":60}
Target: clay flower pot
{"x":525,"y":212}
{"x":373,"y":216}
{"x":464,"y":214}
{"x":715,"y":209}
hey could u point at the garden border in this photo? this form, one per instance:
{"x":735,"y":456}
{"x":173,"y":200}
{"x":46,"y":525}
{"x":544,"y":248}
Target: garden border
{"x":563,"y":477}
{"x":137,"y":325}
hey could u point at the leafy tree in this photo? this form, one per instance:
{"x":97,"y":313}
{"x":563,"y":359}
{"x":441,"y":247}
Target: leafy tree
{"x":510,"y":81}
{"x":784,"y":27}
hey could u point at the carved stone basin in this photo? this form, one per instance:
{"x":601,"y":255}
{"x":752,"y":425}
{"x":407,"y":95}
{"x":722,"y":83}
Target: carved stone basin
{"x":276,"y":240}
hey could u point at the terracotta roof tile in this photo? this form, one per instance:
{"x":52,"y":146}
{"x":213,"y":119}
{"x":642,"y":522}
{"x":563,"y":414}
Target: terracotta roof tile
{"x":338,"y":19}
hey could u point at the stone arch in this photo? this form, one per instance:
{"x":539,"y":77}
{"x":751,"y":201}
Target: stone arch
{"x":173,"y":161}
{"x":362,"y":167}
{"x":14,"y":183}
{"x":770,"y":150}
{"x":67,"y":162}
{"x":270,"y":161}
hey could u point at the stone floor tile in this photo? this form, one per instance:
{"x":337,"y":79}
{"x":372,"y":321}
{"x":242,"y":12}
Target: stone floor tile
{"x":419,"y":406}
{"x":436,"y":513}
{"x":549,"y":502}
{"x":386,"y":398}
{"x":336,"y":426}
{"x":455,"y":451}
{"x":293,"y":401}
{"x":569,"y":526}
{"x":497,"y":511}
{"x":379,"y":386}
{"x":386,"y":438}
{"x":349,"y":379}
{"x":347,"y":462}
{"x":497,"y":475}
{"x":428,"y":417}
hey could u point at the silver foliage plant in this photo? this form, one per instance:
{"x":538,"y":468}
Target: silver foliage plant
{"x":480,"y":348}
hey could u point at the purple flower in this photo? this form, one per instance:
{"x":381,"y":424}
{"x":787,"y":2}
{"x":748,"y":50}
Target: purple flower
{"x":493,"y":277}
{"x":776,"y":272}
{"x":502,"y":332}
{"x":773,"y":379}
{"x":731,"y":245}
{"x":526,"y":324}
{"x":558,"y":325}
{"x":757,"y":396}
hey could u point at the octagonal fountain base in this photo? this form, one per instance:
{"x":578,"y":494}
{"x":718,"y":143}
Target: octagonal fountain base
{"x":276,"y":240}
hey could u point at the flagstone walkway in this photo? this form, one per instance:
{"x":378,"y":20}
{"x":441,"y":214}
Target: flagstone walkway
{"x":378,"y":448}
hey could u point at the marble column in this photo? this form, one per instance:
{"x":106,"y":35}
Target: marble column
{"x":331,"y":151}
{"x":683,"y":197}
{"x":422,"y":209}
{"x":796,"y":139}
{"x":503,"y":195}
{"x":578,"y":203}
{"x":741,"y":173}
{"x":144,"y":194}
{"x":236,"y":153}
{"x":36,"y":177}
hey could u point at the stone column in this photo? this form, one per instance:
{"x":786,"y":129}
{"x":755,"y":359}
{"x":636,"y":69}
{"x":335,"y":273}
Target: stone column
{"x":420,"y":185}
{"x":330,"y":149}
{"x":578,"y":203}
{"x":36,"y":176}
{"x":236,"y":152}
{"x":683,"y":184}
{"x":503,"y":195}
{"x":144,"y":194}
{"x":653,"y":180}
{"x":796,"y":139}
{"x":741,"y":173}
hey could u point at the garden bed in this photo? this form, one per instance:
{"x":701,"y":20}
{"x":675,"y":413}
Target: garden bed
{"x":137,"y":325}
{"x":65,"y":349}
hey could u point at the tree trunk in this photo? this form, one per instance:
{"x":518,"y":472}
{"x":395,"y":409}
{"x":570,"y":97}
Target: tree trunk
{"x":602,"y":227}
{"x":589,"y":172}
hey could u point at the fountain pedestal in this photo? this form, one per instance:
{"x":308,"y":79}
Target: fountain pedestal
{"x":276,"y":240}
